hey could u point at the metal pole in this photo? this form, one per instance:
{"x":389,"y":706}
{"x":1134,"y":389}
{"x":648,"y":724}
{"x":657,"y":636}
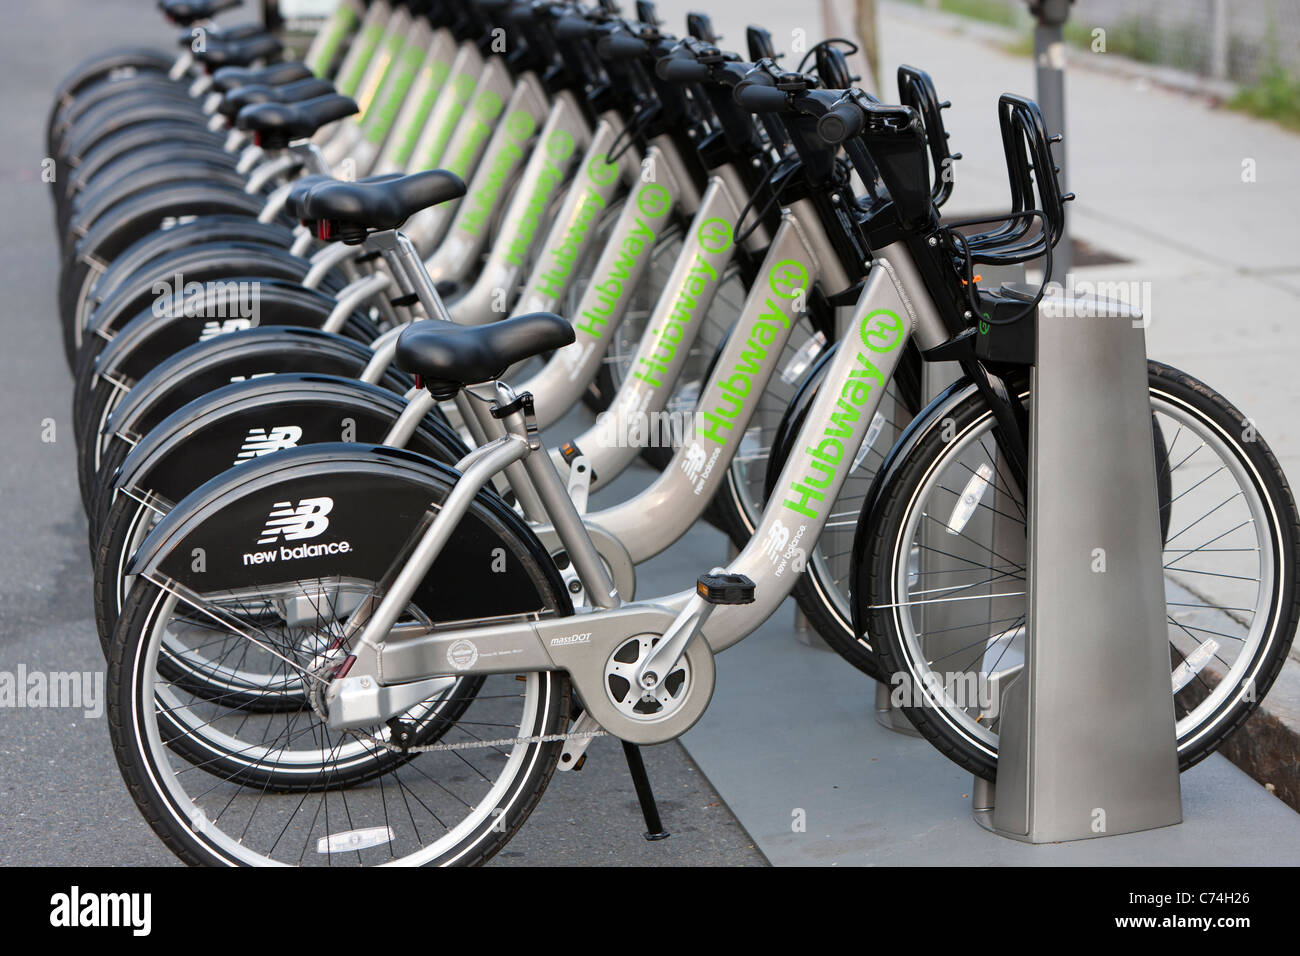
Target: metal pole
{"x":1049,"y":62}
{"x":1219,"y":39}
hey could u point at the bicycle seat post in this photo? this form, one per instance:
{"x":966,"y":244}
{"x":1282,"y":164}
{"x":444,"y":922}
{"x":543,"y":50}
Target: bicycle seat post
{"x":399,"y":252}
{"x":517,"y":415}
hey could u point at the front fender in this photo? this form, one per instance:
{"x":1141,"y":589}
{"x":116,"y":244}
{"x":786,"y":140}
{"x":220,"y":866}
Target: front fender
{"x":351,"y":511}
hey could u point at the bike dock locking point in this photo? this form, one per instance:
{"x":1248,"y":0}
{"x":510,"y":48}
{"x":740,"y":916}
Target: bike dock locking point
{"x":1087,"y":739}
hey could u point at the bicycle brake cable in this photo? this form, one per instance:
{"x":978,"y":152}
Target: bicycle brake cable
{"x":774,"y":184}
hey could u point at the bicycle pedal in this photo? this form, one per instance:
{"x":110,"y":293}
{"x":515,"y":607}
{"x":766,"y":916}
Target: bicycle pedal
{"x":716,"y":588}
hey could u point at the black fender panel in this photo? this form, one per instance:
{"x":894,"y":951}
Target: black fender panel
{"x":102,"y":197}
{"x":151,"y":338}
{"x":143,"y":213}
{"x":234,"y":425}
{"x":130,"y":103}
{"x":139,"y":139}
{"x":157,"y":84}
{"x":269,"y":350}
{"x":354,"y":509}
{"x":109,"y":118}
{"x":146,"y":135}
{"x":199,"y":264}
{"x":107,"y":168}
{"x":97,"y":68}
{"x":197,"y":232}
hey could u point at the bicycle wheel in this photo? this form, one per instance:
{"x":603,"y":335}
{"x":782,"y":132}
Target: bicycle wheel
{"x":939,"y":583}
{"x":223,"y":782}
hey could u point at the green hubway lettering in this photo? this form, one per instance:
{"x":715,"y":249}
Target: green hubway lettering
{"x":519,"y":126}
{"x":787,"y":280}
{"x":881,"y":331}
{"x":559,"y":146}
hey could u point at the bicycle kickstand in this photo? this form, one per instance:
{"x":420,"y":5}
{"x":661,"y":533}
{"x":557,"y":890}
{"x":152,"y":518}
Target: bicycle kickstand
{"x":645,"y":796}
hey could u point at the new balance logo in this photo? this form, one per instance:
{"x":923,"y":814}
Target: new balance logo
{"x":307,"y":520}
{"x":263,"y":441}
{"x":212,"y":328}
{"x":778,"y":536}
{"x":693,"y":463}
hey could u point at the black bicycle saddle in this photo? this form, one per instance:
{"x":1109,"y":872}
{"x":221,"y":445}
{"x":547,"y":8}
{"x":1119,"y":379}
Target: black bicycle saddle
{"x":448,"y":356}
{"x":380,"y":203}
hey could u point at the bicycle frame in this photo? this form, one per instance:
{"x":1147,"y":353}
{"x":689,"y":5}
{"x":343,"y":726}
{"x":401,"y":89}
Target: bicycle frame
{"x":617,"y":272}
{"x":564,"y":137}
{"x":707,"y":252}
{"x":507,"y":145}
{"x":893,"y":306}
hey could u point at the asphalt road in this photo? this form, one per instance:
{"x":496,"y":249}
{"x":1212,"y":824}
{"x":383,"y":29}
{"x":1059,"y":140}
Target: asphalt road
{"x":62,"y":801}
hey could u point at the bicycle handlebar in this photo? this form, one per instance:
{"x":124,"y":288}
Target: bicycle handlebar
{"x":842,"y":121}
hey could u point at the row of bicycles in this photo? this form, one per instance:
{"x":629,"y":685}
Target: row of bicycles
{"x":320,"y":314}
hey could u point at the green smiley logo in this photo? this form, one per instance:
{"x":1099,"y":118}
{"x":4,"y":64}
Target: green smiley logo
{"x":559,"y":145}
{"x":884,"y":333}
{"x":788,"y":278}
{"x":519,"y":126}
{"x":600,"y":172}
{"x":715,"y":235}
{"x":487,"y":105}
{"x":653,"y":201}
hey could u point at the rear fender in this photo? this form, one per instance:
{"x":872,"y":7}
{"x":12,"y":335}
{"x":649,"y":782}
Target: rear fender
{"x":106,"y":119}
{"x":103,"y":196}
{"x":145,"y":135}
{"x":105,"y":164}
{"x":146,"y":212}
{"x":357,"y":508}
{"x":151,"y":338}
{"x":103,"y":65}
{"x":124,"y":293}
{"x":183,"y":237}
{"x":240,"y":356}
{"x":241,"y":422}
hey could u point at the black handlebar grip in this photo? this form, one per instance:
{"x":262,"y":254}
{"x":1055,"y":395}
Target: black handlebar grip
{"x":762,"y":99}
{"x":617,"y":45}
{"x":840,"y":122}
{"x":574,"y":28}
{"x":520,"y":12}
{"x":681,"y":69}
